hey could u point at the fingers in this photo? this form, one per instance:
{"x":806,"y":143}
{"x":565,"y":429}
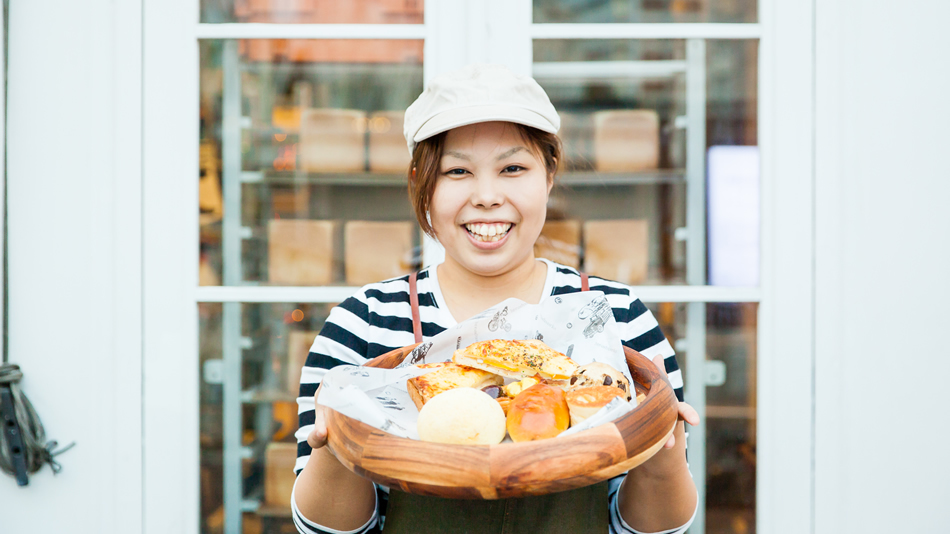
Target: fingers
{"x":670,"y":443}
{"x":688,"y":414}
{"x":318,"y":436}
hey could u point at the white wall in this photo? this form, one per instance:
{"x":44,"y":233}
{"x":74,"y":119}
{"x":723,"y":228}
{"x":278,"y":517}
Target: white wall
{"x":881,"y":258}
{"x":74,"y":179}
{"x":882,"y":266}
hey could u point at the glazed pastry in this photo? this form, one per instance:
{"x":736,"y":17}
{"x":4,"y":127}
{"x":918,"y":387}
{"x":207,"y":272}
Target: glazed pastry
{"x":538,"y":412}
{"x":447,"y":376}
{"x":516,"y":359}
{"x":586,"y":401}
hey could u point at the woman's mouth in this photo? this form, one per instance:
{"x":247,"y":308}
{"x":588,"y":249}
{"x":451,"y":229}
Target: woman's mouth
{"x":488,"y":232}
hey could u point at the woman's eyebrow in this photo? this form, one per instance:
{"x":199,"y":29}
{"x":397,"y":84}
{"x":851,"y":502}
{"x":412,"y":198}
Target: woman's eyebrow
{"x":458,"y":155}
{"x":510,"y":152}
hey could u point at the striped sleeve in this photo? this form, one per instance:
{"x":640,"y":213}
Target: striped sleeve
{"x":305,"y":526}
{"x":342,"y":341}
{"x":369,"y":323}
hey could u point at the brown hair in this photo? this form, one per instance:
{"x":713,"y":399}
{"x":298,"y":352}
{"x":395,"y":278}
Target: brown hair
{"x":427,"y":157}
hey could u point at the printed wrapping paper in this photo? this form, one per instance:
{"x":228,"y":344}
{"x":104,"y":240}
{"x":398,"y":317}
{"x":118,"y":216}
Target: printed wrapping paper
{"x":580,"y":325}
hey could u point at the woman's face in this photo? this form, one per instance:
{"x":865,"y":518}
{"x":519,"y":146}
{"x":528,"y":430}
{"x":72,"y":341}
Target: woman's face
{"x":490,"y":198}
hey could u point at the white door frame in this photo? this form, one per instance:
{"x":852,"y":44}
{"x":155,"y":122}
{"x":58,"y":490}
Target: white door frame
{"x":170,"y":245}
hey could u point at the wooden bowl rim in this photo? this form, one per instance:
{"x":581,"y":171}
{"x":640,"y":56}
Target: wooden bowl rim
{"x":641,"y":369}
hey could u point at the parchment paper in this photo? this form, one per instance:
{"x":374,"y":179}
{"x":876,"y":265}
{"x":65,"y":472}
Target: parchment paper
{"x":581,"y":325}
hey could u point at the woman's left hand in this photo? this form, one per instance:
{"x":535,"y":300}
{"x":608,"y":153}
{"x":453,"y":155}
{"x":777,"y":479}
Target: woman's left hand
{"x":686,"y":412}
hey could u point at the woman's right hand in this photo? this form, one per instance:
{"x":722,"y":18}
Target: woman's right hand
{"x":318,"y":436}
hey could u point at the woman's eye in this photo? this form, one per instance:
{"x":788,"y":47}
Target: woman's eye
{"x":513,"y":169}
{"x":455,"y":172}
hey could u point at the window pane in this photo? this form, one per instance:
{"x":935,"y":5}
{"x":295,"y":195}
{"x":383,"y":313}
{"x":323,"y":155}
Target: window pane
{"x":626,"y":116}
{"x":251,"y":356}
{"x":313,"y":11}
{"x":727,"y":332}
{"x":303,"y":161}
{"x":580,"y":11}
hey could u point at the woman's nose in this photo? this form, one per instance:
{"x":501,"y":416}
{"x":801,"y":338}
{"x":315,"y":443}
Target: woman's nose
{"x":487,"y":192}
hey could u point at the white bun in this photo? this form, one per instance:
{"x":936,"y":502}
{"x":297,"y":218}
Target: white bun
{"x":462,"y":416}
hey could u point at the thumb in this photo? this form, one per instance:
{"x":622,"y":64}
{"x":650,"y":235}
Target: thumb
{"x":318,"y":436}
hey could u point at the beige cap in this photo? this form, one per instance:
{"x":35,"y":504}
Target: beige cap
{"x":478,"y":93}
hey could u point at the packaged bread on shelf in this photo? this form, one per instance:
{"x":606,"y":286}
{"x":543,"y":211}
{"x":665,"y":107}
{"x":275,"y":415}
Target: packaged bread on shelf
{"x":375,"y":251}
{"x":560,"y":241}
{"x":387,"y":146}
{"x":626,"y":140}
{"x":616,"y":250}
{"x":301,"y":252}
{"x":279,"y":460}
{"x":332,"y":140}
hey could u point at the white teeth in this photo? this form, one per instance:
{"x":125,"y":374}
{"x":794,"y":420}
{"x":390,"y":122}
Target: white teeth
{"x":488,"y":232}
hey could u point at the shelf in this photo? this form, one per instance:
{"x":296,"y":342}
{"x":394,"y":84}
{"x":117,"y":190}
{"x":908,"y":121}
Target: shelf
{"x":570,"y":179}
{"x":335,"y":294}
{"x":261,"y":396}
{"x":594,"y":178}
{"x":584,"y":71}
{"x":730,"y":412}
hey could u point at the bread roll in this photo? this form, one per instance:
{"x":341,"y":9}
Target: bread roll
{"x":538,"y":412}
{"x":600,"y":374}
{"x":462,"y":416}
{"x":585,"y":402}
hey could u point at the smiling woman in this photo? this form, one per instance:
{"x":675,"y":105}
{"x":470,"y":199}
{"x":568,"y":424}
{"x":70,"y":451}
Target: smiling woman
{"x":484,"y":158}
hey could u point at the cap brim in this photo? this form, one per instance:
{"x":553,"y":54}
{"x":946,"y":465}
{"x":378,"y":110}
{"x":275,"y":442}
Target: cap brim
{"x":457,"y":117}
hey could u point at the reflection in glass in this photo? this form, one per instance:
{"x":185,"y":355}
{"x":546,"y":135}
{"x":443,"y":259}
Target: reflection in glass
{"x":312,"y":129}
{"x":253,"y":377}
{"x":599,"y":11}
{"x":313,"y":11}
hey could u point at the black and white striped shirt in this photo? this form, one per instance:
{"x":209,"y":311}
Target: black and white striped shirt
{"x":378,"y":319}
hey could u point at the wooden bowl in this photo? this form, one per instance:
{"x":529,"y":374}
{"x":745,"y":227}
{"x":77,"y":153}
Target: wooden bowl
{"x":510,"y":469}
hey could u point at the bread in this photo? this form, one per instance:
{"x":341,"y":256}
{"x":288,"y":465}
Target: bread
{"x":600,"y":374}
{"x":447,"y":376}
{"x":499,"y":394}
{"x":516,"y":359}
{"x":538,"y":412}
{"x":462,"y":416}
{"x":585,"y":402}
{"x":514,"y":388}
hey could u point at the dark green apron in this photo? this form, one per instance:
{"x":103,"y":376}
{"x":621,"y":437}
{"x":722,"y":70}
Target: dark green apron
{"x":579,"y":511}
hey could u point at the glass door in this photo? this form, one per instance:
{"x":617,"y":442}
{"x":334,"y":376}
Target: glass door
{"x":302,"y":179}
{"x":302,"y":192}
{"x":659,"y":120}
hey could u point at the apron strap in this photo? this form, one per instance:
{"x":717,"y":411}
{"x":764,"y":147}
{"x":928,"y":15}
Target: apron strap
{"x":585,"y":285}
{"x":414,"y":302}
